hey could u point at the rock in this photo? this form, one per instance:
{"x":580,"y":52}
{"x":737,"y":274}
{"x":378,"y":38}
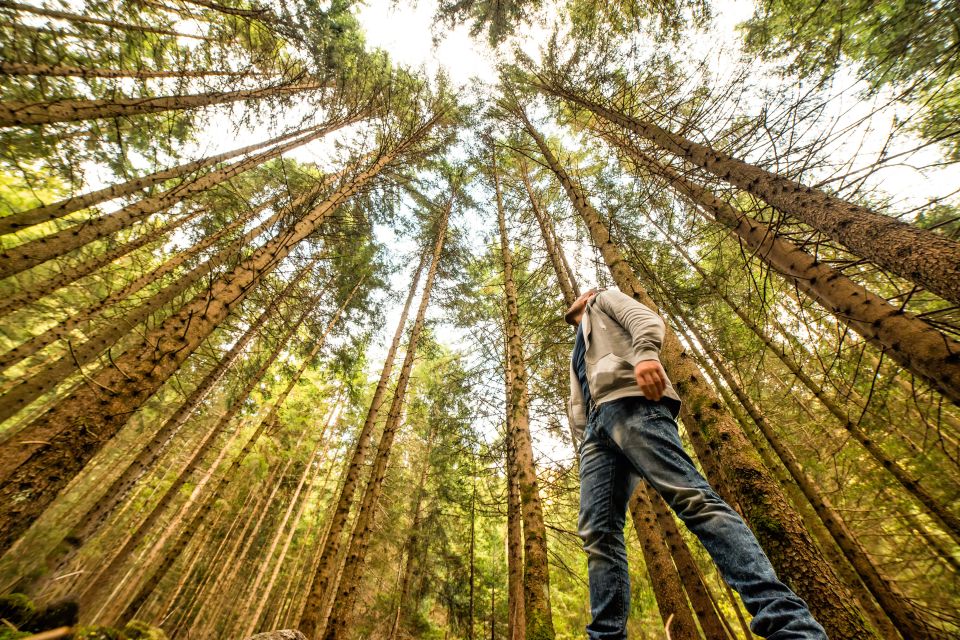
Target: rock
{"x":53,"y":616}
{"x":283,"y":634}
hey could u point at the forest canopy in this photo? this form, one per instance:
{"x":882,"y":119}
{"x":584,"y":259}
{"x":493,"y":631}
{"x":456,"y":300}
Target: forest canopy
{"x":283,"y":286}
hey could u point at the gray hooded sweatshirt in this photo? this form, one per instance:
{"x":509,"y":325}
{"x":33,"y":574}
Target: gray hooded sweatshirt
{"x":618,"y":332}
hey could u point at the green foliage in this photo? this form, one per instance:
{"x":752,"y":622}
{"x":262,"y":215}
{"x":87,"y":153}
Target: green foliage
{"x":906,"y":46}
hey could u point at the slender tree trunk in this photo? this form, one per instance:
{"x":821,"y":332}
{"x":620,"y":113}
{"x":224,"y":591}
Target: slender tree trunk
{"x":918,"y":255}
{"x":87,"y":523}
{"x":23,"y":393}
{"x":346,"y":590}
{"x":664,"y":579}
{"x":939,"y":511}
{"x":92,"y":414}
{"x":314,"y":617}
{"x":568,"y":284}
{"x":536,"y":571}
{"x":473,"y":548}
{"x":66,"y":71}
{"x":63,"y":329}
{"x":64,"y":207}
{"x":902,"y":612}
{"x":99,"y":584}
{"x":516,"y":619}
{"x":113,"y":24}
{"x":19,"y":113}
{"x":912,"y":342}
{"x":35,"y":252}
{"x":776,"y":524}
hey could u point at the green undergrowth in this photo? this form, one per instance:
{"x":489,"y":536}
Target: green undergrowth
{"x":20,"y":618}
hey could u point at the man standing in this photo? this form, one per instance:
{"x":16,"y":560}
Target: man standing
{"x":623,"y":413}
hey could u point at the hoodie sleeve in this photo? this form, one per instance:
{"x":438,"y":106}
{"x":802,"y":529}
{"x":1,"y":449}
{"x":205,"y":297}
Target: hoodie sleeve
{"x":645,"y":327}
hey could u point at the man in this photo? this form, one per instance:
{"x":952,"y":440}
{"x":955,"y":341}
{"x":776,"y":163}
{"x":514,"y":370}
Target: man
{"x":623,"y":413}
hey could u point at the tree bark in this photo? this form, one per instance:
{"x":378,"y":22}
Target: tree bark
{"x":918,"y":255}
{"x":20,"y":113}
{"x":61,"y":208}
{"x":664,"y":579}
{"x":314,"y":617}
{"x":87,"y":523}
{"x":93,"y":413}
{"x":776,"y":524}
{"x":902,"y":612}
{"x":35,"y":252}
{"x":912,"y":342}
{"x":536,"y":572}
{"x":346,"y":590}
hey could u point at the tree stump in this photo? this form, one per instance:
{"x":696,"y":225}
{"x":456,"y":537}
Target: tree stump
{"x":283,"y":634}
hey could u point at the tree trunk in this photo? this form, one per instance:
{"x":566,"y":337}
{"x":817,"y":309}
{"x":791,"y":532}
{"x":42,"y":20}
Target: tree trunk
{"x":918,"y":255}
{"x":87,"y":523}
{"x":947,"y":520}
{"x":314,"y":617}
{"x":35,"y":252}
{"x":61,"y":208}
{"x":62,"y":330}
{"x":902,"y":612}
{"x":113,"y":24}
{"x":346,"y":590}
{"x":912,"y":342}
{"x":26,"y":391}
{"x":664,"y":579}
{"x":19,"y":113}
{"x":568,"y":284}
{"x":536,"y":571}
{"x":66,"y":71}
{"x":776,"y":524}
{"x":92,"y":414}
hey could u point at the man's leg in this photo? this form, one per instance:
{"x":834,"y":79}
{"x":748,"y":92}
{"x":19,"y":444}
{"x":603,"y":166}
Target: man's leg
{"x":647,"y":435}
{"x":606,"y":481}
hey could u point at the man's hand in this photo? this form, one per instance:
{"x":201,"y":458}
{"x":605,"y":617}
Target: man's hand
{"x":650,"y":378}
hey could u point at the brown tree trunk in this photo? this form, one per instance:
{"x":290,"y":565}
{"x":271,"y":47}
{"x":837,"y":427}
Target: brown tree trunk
{"x":902,"y":612}
{"x":568,"y":284}
{"x":536,"y":571}
{"x":19,"y":113}
{"x":943,"y":516}
{"x":516,"y":624}
{"x":346,"y":590}
{"x":664,"y":579}
{"x":918,"y":255}
{"x":59,"y":70}
{"x":99,"y":584}
{"x":113,"y":24}
{"x":64,"y":207}
{"x":776,"y":524}
{"x":314,"y":616}
{"x":35,"y":252}
{"x":23,"y":393}
{"x":62,"y":330}
{"x":92,"y":414}
{"x":912,"y":342}
{"x":87,"y":523}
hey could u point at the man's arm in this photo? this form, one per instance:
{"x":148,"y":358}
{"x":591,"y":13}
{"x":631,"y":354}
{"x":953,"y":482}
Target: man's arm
{"x":646,"y":331}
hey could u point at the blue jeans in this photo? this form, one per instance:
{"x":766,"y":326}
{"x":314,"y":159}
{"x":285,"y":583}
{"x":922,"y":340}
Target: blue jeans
{"x":627,"y":438}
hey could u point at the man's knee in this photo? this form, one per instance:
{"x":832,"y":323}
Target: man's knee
{"x":602,"y":542}
{"x":698,"y":504}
